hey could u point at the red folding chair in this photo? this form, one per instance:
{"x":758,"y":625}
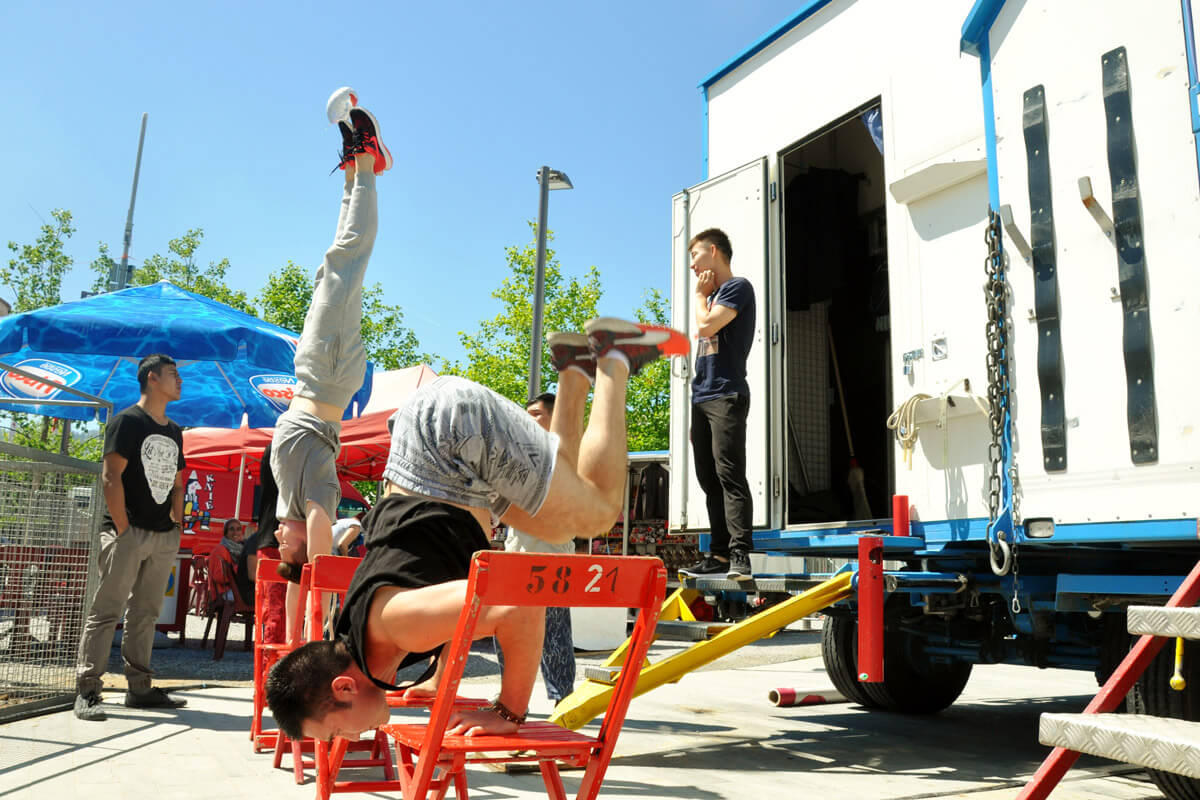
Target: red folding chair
{"x":331,"y":577}
{"x":295,"y":638}
{"x":266,"y":653}
{"x":532,"y":579}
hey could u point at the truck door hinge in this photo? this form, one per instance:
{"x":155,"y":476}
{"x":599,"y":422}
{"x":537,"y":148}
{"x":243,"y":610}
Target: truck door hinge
{"x":777,"y":485}
{"x":772,"y":191}
{"x":774,"y":333}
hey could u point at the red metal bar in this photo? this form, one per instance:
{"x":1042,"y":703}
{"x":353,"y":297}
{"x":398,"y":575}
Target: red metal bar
{"x":1112,"y":693}
{"x":870,"y":609}
{"x":900,"y":526}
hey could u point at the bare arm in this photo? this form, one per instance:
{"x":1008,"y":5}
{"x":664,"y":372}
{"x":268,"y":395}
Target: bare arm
{"x":114,"y":490}
{"x":710,"y":320}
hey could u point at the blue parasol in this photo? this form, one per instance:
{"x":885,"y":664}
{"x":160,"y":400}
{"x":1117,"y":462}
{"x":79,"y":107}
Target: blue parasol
{"x":231,"y":363}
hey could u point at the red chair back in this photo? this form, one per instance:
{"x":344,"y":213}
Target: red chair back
{"x":537,"y":579}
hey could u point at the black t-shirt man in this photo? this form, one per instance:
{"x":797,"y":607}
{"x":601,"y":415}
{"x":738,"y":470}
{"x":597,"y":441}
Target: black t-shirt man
{"x":721,"y":359}
{"x":154,"y":453}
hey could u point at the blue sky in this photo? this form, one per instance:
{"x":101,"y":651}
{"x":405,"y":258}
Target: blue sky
{"x":472,"y":98}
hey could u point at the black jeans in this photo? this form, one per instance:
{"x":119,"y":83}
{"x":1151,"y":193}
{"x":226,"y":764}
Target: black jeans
{"x":719,"y":445}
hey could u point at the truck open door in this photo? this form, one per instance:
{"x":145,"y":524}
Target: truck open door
{"x":736,"y":202}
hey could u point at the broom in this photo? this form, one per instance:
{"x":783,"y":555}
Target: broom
{"x":855,"y":478}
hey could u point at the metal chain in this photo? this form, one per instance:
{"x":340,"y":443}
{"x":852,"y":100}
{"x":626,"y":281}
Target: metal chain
{"x":1016,"y":578}
{"x":996,"y":334}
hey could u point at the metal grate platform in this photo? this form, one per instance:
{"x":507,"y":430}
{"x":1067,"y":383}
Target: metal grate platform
{"x":1162,"y":743}
{"x":1159,"y":621}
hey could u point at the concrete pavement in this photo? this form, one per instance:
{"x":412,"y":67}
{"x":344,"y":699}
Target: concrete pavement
{"x":713,"y":735}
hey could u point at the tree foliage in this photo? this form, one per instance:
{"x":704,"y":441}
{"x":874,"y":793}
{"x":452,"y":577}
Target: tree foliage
{"x":36,"y":271}
{"x":389,"y":344}
{"x":498,"y":352}
{"x":179,"y":267}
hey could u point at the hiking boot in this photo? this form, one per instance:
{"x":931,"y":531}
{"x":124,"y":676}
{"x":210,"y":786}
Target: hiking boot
{"x":87,"y":707}
{"x":368,"y":139}
{"x":572,"y":350}
{"x":153,"y":697}
{"x":739,"y":566}
{"x":640,"y":342}
{"x":338,"y":106}
{"x":709,"y":565}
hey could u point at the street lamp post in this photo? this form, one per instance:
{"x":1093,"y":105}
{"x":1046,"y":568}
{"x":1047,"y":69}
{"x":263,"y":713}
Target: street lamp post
{"x":547,"y":179}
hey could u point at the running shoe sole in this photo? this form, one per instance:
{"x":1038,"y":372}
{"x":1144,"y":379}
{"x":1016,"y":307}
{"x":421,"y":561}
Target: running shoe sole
{"x":641,"y":342}
{"x":338,"y":106}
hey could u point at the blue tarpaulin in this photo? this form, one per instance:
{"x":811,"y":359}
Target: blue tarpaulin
{"x":231,"y":363}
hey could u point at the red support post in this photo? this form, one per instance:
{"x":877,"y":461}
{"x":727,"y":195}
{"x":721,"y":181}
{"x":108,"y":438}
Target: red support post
{"x":1111,"y":694}
{"x":870,"y":609}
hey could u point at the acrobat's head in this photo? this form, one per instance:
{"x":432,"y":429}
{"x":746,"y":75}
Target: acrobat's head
{"x":292,"y":535}
{"x":318,"y":691}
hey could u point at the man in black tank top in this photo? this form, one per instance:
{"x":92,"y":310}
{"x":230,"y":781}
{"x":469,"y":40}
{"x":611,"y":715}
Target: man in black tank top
{"x":461,"y":456}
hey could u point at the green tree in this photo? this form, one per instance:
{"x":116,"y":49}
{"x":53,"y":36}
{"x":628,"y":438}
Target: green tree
{"x":35,"y":273}
{"x":389,"y":344}
{"x":103,"y":265}
{"x":648,"y":398}
{"x":498,"y":353}
{"x":179,"y":267}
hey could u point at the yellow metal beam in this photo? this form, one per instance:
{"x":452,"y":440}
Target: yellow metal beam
{"x":591,"y":698}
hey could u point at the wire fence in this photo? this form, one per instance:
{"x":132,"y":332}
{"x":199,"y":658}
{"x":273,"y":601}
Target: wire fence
{"x":50,"y":509}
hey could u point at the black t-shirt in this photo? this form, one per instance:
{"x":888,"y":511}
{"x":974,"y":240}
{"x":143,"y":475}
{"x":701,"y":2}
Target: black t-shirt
{"x":154,"y":456}
{"x":721,"y":359}
{"x":411,"y":542}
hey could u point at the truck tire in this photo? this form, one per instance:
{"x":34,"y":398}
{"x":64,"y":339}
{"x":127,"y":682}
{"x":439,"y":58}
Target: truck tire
{"x":913,"y":683}
{"x":1152,"y":694}
{"x":839,"y":651}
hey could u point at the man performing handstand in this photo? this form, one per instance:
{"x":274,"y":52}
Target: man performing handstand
{"x":330,"y":361}
{"x":461,"y":454}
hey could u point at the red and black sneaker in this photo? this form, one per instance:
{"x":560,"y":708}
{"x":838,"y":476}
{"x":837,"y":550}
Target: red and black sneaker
{"x":346,"y":156}
{"x":368,"y":139}
{"x":641,"y":342}
{"x":572,"y":350}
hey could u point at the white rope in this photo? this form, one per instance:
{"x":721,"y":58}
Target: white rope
{"x":903,"y":420}
{"x":903,"y":423}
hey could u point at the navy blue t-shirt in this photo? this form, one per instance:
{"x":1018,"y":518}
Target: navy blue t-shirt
{"x":721,"y":359}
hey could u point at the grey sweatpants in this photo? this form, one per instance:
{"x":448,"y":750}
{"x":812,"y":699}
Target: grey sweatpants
{"x":330,"y":361}
{"x":134,"y":567}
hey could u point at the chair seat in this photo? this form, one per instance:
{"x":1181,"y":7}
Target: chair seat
{"x":545,"y":738}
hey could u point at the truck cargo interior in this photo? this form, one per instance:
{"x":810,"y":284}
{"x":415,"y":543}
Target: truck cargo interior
{"x":837,"y":323}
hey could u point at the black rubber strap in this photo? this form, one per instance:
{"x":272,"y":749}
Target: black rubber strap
{"x":1131,"y":260}
{"x":1045,"y":284}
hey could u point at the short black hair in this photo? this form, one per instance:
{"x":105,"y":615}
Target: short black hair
{"x":545,"y":398}
{"x":152,"y":363}
{"x":714,"y":236}
{"x":299,"y":686}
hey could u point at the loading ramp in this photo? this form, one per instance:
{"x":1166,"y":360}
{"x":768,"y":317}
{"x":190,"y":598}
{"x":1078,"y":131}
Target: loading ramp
{"x":591,"y":698}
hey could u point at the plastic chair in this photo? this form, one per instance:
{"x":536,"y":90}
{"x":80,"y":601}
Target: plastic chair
{"x":533,"y":579}
{"x":221,"y":608}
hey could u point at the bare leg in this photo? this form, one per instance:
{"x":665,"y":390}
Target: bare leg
{"x":586,"y":500}
{"x":567,"y":420}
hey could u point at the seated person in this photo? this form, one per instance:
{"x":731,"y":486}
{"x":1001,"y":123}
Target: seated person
{"x":224,"y":557}
{"x":460,"y":453}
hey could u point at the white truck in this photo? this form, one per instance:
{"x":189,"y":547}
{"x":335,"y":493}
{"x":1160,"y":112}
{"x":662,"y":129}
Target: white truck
{"x":990,"y":211}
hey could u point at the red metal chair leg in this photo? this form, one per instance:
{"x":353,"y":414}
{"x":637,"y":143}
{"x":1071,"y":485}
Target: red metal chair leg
{"x":553,"y":781}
